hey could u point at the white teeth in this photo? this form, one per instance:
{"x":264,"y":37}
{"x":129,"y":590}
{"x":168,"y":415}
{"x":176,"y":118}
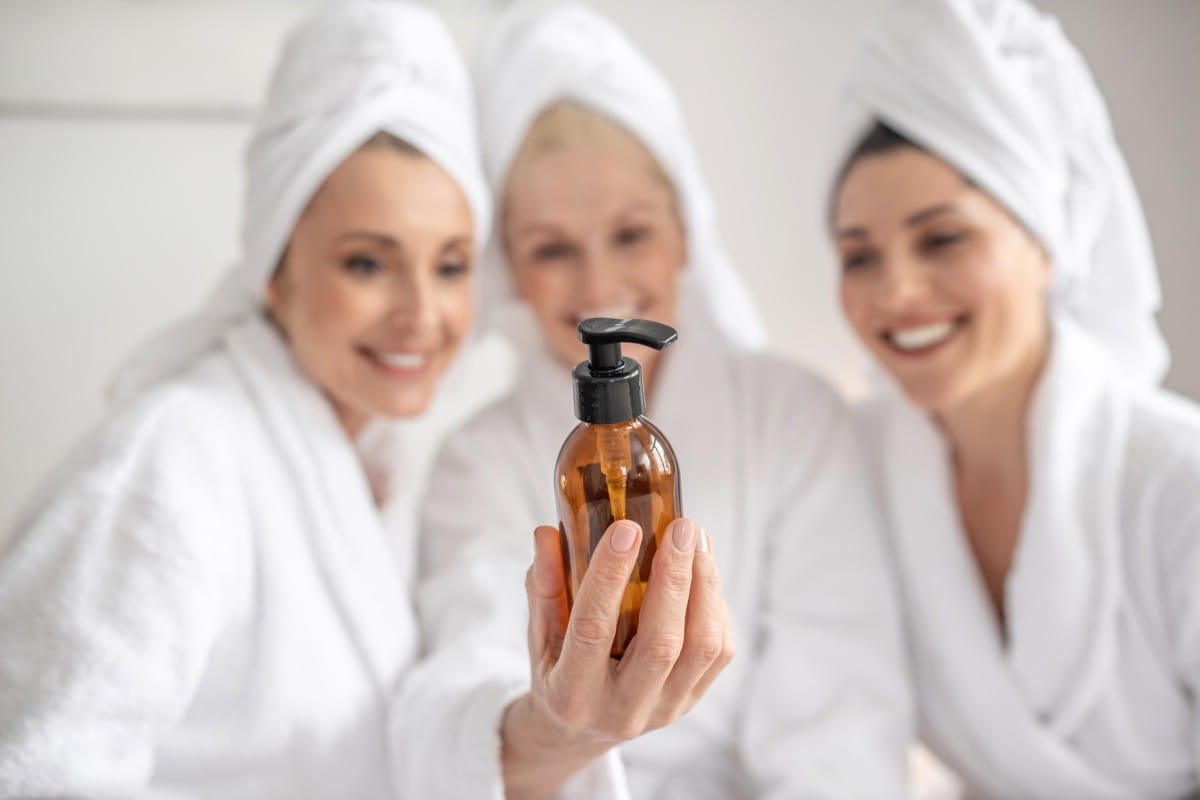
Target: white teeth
{"x":921,"y":337}
{"x":402,"y":360}
{"x":616,"y":312}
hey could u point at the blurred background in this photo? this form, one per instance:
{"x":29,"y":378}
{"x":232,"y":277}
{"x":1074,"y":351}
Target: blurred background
{"x":122,"y":124}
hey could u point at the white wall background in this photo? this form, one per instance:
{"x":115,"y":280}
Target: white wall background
{"x":122,"y":124}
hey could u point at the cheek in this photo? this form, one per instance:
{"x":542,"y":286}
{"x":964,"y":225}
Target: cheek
{"x":457,"y":310}
{"x":977,"y":280}
{"x":342,"y":305}
{"x":995,"y":289}
{"x":1008,"y":303}
{"x":855,"y":297}
{"x":658,"y":271}
{"x":547,"y":290}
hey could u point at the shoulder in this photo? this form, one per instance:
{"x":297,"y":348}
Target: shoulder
{"x":775,"y":386}
{"x":793,"y":419}
{"x":1161,"y":505}
{"x":493,"y":428}
{"x":201,"y":419}
{"x":1164,"y":424}
{"x":163,"y":449}
{"x":1163,"y":447}
{"x":1158,"y":501}
{"x":153,"y":498}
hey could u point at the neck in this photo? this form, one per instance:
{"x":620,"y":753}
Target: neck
{"x":989,"y":449}
{"x":352,"y":422}
{"x":987,"y":431}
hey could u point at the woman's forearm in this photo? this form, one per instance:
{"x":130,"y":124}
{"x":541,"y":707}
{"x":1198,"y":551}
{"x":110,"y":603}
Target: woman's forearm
{"x":536,"y":759}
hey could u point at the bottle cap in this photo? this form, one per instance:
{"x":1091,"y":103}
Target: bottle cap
{"x":608,"y":386}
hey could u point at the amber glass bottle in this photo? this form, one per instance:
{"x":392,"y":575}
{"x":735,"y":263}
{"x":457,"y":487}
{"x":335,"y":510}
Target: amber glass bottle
{"x":616,"y":464}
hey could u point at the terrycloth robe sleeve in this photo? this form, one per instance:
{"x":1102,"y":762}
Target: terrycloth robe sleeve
{"x":828,"y":709}
{"x":111,"y":596}
{"x":477,"y":543}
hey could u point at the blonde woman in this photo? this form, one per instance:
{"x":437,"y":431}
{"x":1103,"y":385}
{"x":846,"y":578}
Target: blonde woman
{"x":603,"y":211}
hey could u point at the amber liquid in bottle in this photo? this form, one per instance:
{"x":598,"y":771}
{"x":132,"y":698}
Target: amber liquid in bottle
{"x":608,"y":472}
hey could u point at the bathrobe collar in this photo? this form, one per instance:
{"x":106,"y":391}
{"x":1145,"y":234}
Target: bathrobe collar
{"x":1019,"y":704}
{"x":344,"y":529}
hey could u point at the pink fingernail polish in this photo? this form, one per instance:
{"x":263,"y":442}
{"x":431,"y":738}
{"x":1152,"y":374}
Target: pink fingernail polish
{"x":623,"y":536}
{"x":684,"y":535}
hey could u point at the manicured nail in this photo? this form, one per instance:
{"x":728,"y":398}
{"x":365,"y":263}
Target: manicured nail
{"x":684,"y":535}
{"x":623,"y":536}
{"x":705,"y":543}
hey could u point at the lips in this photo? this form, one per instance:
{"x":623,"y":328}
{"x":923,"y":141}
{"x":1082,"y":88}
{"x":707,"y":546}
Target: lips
{"x":400,"y":363}
{"x":922,"y":338}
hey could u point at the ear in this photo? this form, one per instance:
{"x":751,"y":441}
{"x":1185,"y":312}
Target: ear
{"x":278,"y":288}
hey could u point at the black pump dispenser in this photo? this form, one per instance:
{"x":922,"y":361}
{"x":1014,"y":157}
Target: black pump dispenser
{"x":608,"y":386}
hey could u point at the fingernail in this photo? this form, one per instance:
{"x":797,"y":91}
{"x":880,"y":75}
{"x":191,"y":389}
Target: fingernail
{"x":684,"y":535}
{"x":705,"y":543}
{"x":623,"y":536}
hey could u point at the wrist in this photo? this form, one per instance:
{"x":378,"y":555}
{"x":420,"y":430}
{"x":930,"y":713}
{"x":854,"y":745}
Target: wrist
{"x":534,"y":742}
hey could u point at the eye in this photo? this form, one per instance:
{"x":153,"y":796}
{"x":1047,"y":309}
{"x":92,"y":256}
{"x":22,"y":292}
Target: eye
{"x":362,"y":264}
{"x":452,"y":270}
{"x":943,"y":239}
{"x":633,"y":234}
{"x":552,"y":251}
{"x":857,"y":261}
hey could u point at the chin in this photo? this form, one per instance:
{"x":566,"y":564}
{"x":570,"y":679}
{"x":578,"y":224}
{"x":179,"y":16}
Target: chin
{"x":402,"y":408}
{"x":932,"y":395}
{"x":400,"y":402}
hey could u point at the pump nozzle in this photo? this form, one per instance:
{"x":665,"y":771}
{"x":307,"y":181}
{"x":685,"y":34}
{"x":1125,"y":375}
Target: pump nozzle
{"x":608,"y":387}
{"x":604,"y":335}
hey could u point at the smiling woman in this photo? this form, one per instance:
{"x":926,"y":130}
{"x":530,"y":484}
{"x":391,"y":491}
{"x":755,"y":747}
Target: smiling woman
{"x":605,"y":211}
{"x":211,"y":599}
{"x":946,"y":289}
{"x":1042,"y":494}
{"x":374,"y":292}
{"x":592,"y":229}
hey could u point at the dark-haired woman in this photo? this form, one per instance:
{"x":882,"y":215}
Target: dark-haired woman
{"x":1042,"y":492}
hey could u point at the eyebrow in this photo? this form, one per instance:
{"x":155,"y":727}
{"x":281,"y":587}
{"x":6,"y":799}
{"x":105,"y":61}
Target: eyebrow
{"x":928,"y":213}
{"x":856,"y":232}
{"x":645,"y":206}
{"x":462,"y":240}
{"x":535,"y":227}
{"x":381,"y":238}
{"x":393,"y":243}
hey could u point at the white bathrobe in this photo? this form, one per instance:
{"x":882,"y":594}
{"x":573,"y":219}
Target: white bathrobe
{"x":816,"y":701}
{"x":1092,"y":692}
{"x":207,"y":601}
{"x":207,"y":605}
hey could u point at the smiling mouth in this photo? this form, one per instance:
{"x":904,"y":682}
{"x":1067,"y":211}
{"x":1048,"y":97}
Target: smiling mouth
{"x":923,"y":339}
{"x":399,"y":364}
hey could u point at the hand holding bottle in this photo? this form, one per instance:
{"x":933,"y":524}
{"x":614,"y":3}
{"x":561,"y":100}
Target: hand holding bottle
{"x":582,"y":701}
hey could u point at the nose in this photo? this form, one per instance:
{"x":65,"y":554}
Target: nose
{"x":412,"y":303}
{"x":600,"y":283}
{"x":903,"y":283}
